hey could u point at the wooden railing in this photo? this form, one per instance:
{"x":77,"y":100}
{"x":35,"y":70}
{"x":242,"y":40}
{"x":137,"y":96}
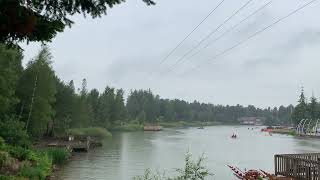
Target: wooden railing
{"x":299,"y":166}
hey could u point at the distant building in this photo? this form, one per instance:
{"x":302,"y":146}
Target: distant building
{"x":254,"y":121}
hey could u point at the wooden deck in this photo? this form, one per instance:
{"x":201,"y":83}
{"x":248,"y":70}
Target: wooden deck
{"x":298,"y":166}
{"x":76,"y":145}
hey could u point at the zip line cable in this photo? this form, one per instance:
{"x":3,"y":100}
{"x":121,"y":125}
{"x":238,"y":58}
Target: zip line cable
{"x":211,"y":33}
{"x":256,"y":33}
{"x":180,"y":43}
{"x":224,"y":33}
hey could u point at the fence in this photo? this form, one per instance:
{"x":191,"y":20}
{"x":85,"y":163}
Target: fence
{"x":298,"y":166}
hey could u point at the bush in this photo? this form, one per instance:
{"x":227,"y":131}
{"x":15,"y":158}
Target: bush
{"x":128,"y":127}
{"x":11,"y":130}
{"x":21,"y":153}
{"x":58,"y":155}
{"x":4,"y":177}
{"x":193,"y":170}
{"x":3,"y":158}
{"x":1,"y":142}
{"x":96,"y":132}
{"x":40,"y":170}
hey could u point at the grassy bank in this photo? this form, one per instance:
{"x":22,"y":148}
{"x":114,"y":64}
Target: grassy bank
{"x":25,"y":163}
{"x":187,"y":124}
{"x":285,"y":131}
{"x":128,"y":127}
{"x":96,"y":132}
{"x":134,"y":126}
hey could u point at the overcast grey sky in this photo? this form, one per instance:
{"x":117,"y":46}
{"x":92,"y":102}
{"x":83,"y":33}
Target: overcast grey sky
{"x":124,"y":50}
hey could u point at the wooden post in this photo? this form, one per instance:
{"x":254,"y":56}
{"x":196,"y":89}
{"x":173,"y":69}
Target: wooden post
{"x":275,"y":165}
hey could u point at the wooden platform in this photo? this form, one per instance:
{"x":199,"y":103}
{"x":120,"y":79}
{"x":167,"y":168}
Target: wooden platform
{"x":298,"y":166}
{"x":76,"y":145}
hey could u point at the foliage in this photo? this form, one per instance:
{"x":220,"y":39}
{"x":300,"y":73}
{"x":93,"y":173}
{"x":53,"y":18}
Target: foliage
{"x":5,"y":177}
{"x":42,"y":20}
{"x":21,"y":153}
{"x":12,"y":130}
{"x":3,"y":157}
{"x":127,"y":127}
{"x":40,"y":170}
{"x":58,"y":155}
{"x":292,"y":133}
{"x":149,"y":175}
{"x":149,"y":108}
{"x":300,"y":111}
{"x":10,"y":70}
{"x":306,"y":110}
{"x":92,"y":132}
{"x":193,"y":170}
{"x":1,"y":142}
{"x":37,"y":91}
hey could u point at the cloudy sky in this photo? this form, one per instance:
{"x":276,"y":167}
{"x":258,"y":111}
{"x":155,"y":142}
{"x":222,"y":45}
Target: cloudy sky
{"x":125,"y":48}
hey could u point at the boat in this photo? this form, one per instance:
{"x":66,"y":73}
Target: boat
{"x":234,"y":136}
{"x":152,"y":128}
{"x":201,"y":127}
{"x":250,"y":174}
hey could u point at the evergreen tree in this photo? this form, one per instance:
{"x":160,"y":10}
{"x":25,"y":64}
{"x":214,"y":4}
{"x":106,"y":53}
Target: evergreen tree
{"x":64,"y":105}
{"x":300,"y":111}
{"x":312,"y":108}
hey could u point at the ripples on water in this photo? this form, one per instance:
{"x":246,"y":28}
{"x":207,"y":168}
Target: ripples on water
{"x":129,"y":154}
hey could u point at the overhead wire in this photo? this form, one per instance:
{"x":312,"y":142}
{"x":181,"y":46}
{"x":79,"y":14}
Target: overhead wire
{"x":211,"y":33}
{"x":256,"y":33}
{"x":194,"y":29}
{"x":223,"y":34}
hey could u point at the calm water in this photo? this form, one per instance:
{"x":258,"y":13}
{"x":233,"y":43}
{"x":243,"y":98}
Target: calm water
{"x":129,"y":154}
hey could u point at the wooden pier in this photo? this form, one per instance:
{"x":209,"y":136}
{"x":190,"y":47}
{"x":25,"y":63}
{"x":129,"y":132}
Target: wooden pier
{"x":76,"y":145}
{"x":298,"y":166}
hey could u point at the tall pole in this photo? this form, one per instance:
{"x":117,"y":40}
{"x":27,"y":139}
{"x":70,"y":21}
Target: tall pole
{"x":32,"y":101}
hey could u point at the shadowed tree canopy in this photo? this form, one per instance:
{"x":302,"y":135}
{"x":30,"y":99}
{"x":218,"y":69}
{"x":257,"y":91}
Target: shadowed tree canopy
{"x":41,"y":20}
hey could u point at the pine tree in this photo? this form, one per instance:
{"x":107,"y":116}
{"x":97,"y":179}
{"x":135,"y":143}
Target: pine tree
{"x":300,"y":111}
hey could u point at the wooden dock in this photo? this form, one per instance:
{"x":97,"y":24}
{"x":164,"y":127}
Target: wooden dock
{"x":298,"y":166}
{"x":75,"y":145}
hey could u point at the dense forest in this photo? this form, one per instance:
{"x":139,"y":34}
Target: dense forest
{"x":35,"y":101}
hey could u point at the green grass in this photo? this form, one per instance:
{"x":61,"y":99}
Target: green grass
{"x":128,"y":127}
{"x":292,"y":133}
{"x":39,"y":170}
{"x":58,"y":155}
{"x":96,"y":132}
{"x":186,"y":124}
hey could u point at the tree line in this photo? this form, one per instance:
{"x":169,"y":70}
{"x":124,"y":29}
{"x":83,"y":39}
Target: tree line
{"x":38,"y":103}
{"x":306,"y":109}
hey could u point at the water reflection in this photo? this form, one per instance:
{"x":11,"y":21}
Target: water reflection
{"x":129,"y":154}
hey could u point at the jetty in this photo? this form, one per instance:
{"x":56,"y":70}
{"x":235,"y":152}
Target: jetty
{"x":298,"y":166}
{"x":82,"y":144}
{"x":152,"y":128}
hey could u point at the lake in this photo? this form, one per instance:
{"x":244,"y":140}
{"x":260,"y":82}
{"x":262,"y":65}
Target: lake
{"x":128,"y":154}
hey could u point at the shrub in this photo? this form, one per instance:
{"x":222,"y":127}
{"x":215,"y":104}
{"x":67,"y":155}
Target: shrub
{"x":96,"y":132}
{"x":1,"y":142}
{"x":3,"y":158}
{"x":58,"y":155}
{"x":21,"y":153}
{"x":128,"y":127}
{"x":12,"y":132}
{"x":40,"y":170}
{"x":4,"y":177}
{"x":193,"y":170}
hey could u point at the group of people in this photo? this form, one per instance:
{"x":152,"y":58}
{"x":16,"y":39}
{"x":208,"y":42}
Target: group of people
{"x":234,"y":135}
